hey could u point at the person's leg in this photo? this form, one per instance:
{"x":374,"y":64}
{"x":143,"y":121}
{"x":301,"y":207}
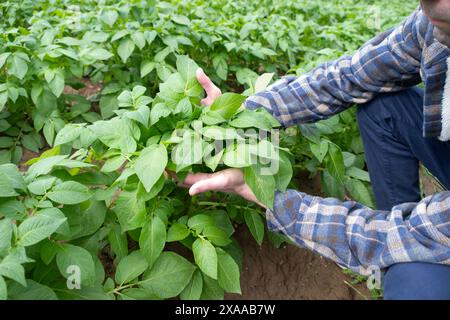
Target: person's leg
{"x":417,"y":280}
{"x":391,"y":130}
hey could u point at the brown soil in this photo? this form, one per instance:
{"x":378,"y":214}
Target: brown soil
{"x":27,"y":155}
{"x":88,"y":91}
{"x":290,"y":272}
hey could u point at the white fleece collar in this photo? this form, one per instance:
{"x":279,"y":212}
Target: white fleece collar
{"x":445,"y":117}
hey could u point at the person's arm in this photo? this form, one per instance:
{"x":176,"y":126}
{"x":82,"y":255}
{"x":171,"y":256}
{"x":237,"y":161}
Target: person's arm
{"x":360,"y":238}
{"x":349,"y":233}
{"x":389,"y":62}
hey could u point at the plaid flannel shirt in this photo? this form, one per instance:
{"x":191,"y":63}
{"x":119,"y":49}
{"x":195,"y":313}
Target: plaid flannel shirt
{"x":349,"y":233}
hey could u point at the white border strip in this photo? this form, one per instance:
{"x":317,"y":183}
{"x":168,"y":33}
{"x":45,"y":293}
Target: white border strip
{"x":445,"y":117}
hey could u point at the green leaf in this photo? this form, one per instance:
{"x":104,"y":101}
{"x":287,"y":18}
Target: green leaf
{"x":335,"y":162}
{"x":249,"y":119}
{"x":213,"y":161}
{"x":255,"y":224}
{"x":152,"y":239}
{"x":238,"y":155}
{"x":216,"y":236}
{"x":48,"y":251}
{"x":183,"y":107}
{"x":284,"y":175}
{"x":69,"y":258}
{"x":40,"y":226}
{"x":69,"y":192}
{"x":109,"y":17}
{"x":262,"y":183}
{"x":357,"y":173}
{"x":263,"y":81}
{"x":130,"y":210}
{"x":186,"y":67}
{"x":150,"y":165}
{"x":113,"y":164}
{"x":119,"y":35}
{"x":138,"y":39}
{"x":211,"y":118}
{"x":219,"y":133}
{"x":11,"y":268}
{"x":227,"y":104}
{"x":13,"y":175}
{"x":17,"y":66}
{"x":32,"y":291}
{"x":193,"y":290}
{"x":3,"y":58}
{"x":6,"y":190}
{"x":3,"y":289}
{"x":118,"y":242}
{"x":67,"y":134}
{"x":199,"y":222}
{"x":169,"y":275}
{"x":49,"y":132}
{"x":6,"y":142}
{"x":177,"y":232}
{"x":181,"y":19}
{"x":222,"y":220}
{"x":117,"y":133}
{"x":331,"y":186}
{"x":188,"y":152}
{"x":86,"y":218}
{"x":57,"y":84}
{"x":85,"y":293}
{"x":43,"y":166}
{"x":160,"y":110}
{"x":41,"y":185}
{"x":221,"y":66}
{"x":32,"y":142}
{"x":125,"y":49}
{"x":228,"y":274}
{"x":130,"y":267}
{"x":172,"y":90}
{"x":6,"y":229}
{"x":141,"y":115}
{"x":108,"y":103}
{"x":147,"y":67}
{"x":211,"y":289}
{"x":100,"y":54}
{"x":319,"y":150}
{"x":150,"y":35}
{"x":359,"y":192}
{"x":205,"y":257}
{"x":125,"y":99}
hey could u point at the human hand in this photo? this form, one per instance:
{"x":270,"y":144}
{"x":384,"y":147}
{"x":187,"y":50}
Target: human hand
{"x":212,"y":92}
{"x":228,"y":180}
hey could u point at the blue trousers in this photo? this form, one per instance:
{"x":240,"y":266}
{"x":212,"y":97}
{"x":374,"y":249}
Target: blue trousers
{"x":391,"y":131}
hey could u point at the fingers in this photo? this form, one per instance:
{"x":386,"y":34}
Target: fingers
{"x":204,"y":80}
{"x":212,"y":92}
{"x":215,"y":183}
{"x":194,"y":178}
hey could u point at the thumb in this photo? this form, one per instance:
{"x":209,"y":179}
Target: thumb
{"x":209,"y":87}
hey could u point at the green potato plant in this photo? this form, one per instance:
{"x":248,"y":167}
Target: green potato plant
{"x":116,"y":190}
{"x":100,"y":213}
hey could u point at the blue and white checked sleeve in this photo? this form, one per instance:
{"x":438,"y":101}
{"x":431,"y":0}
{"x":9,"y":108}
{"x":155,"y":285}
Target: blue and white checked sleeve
{"x":389,"y":62}
{"x":360,"y":238}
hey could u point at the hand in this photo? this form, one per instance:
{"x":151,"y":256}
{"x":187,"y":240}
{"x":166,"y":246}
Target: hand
{"x":228,"y":180}
{"x":212,"y":92}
